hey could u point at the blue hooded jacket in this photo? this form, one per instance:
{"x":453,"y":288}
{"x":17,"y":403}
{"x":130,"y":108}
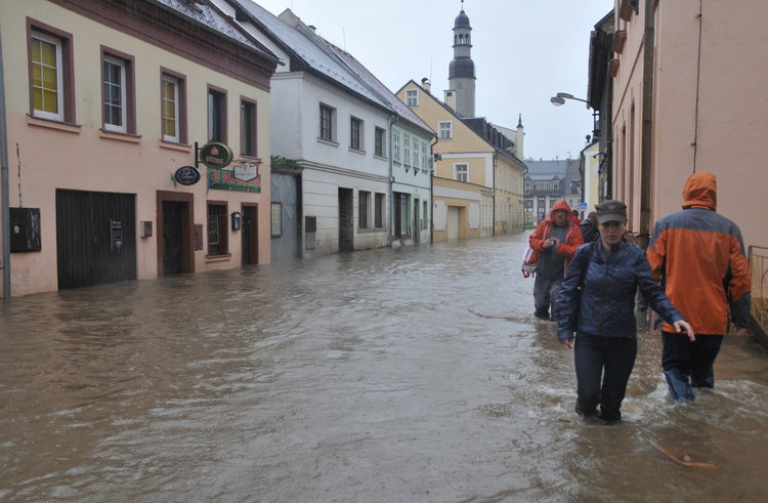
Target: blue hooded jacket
{"x":606,"y":306}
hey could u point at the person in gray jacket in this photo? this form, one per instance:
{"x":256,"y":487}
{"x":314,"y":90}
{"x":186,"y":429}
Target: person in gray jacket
{"x":596,"y":305}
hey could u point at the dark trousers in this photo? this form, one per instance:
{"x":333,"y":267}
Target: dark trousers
{"x":545,"y":293}
{"x":603,"y":367}
{"x":692,"y":361}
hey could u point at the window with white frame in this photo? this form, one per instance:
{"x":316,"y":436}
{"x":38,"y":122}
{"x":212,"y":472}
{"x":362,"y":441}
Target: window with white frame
{"x":424,"y":157}
{"x":412,"y":97}
{"x":406,"y":150}
{"x":461,"y":172}
{"x":445,"y":129}
{"x":415,"y":153}
{"x":118,"y":91}
{"x":47,"y":63}
{"x":114,"y":95}
{"x":171,"y":109}
{"x":396,"y":146}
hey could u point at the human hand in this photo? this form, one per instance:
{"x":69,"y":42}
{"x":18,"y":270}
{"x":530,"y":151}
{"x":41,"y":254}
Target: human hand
{"x":682,"y":324}
{"x":567,"y":342}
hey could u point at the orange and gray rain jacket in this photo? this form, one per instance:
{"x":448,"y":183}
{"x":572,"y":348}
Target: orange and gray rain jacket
{"x":699,"y":256}
{"x":572,"y":239}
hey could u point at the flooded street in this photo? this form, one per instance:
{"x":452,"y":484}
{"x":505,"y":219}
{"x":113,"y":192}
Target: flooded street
{"x":398,"y":375}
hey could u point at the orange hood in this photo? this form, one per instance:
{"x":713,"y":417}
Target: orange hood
{"x":561,"y":205}
{"x":700,"y":190}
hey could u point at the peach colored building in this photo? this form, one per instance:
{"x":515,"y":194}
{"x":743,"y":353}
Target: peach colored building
{"x":688,"y":87}
{"x":117,"y":95}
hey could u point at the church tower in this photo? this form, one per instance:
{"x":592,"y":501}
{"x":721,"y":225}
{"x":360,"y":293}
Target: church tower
{"x":461,"y":72}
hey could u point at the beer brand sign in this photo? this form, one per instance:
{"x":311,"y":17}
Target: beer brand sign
{"x":227,"y":179}
{"x":215,"y":155}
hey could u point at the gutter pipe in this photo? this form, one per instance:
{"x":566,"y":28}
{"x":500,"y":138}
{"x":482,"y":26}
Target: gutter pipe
{"x":6,"y":212}
{"x":392,"y":120}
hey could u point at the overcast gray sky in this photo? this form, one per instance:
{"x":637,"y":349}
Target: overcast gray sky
{"x":525,"y":51}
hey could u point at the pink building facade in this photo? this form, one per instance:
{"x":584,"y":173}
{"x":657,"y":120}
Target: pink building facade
{"x":105,"y":102}
{"x":688,"y":81}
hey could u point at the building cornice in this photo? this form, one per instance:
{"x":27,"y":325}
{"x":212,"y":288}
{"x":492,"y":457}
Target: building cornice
{"x":150,"y":22}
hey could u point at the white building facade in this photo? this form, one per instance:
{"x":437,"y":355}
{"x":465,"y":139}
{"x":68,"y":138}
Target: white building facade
{"x":330,"y":123}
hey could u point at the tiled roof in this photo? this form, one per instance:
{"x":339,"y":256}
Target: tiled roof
{"x":305,"y":44}
{"x":554,"y":167}
{"x":369,"y":78}
{"x":209,"y":17}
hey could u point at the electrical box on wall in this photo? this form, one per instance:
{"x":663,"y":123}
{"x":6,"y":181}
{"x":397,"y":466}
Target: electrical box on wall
{"x":25,"y":230}
{"x":146,"y":229}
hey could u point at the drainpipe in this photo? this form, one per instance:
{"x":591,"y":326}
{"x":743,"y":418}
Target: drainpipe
{"x":493,"y":218}
{"x":6,"y":227}
{"x":392,"y":120}
{"x":432,"y":191}
{"x":647,"y":135}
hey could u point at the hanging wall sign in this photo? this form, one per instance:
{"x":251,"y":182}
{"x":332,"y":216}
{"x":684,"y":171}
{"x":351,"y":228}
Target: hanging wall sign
{"x":225,"y":179}
{"x":215,"y":155}
{"x":187,"y":175}
{"x":246,"y":171}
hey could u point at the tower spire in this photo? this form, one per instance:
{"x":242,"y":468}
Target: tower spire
{"x":461,"y":72}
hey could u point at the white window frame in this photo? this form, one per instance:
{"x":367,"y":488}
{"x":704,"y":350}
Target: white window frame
{"x":461,"y":172}
{"x":412,"y":97}
{"x":174,"y":81}
{"x":445,"y":129}
{"x":424,"y":157}
{"x":59,"y":114}
{"x":415,"y":153}
{"x":396,"y":146}
{"x":123,"y":96}
{"x":406,"y":149}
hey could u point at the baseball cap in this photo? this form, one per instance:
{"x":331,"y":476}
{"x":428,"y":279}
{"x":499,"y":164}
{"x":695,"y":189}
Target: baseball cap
{"x":611,"y":211}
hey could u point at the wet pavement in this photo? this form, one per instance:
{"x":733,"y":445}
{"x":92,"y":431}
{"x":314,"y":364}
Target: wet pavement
{"x":400,"y":375}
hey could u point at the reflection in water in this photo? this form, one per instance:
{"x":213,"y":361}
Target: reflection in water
{"x":399,"y":375}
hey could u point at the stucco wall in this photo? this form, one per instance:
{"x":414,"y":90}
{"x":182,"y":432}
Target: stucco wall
{"x":46,"y":155}
{"x":707,"y":111}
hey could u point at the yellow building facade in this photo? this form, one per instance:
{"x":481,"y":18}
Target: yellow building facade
{"x":477,"y":189}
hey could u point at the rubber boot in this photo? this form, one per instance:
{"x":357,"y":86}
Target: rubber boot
{"x":610,"y":416}
{"x":679,"y":388}
{"x":585,"y":411}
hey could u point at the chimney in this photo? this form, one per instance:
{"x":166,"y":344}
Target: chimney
{"x":426,"y":84}
{"x":450,"y":99}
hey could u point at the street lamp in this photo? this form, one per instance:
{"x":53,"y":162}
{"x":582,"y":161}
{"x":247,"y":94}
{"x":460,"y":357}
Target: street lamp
{"x":559,"y":100}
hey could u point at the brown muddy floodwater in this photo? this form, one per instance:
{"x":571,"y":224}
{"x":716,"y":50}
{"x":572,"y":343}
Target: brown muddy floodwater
{"x":399,"y":375}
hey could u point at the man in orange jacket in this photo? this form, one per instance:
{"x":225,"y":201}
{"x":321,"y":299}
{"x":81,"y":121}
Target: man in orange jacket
{"x":699,"y":257}
{"x":555,"y":239}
